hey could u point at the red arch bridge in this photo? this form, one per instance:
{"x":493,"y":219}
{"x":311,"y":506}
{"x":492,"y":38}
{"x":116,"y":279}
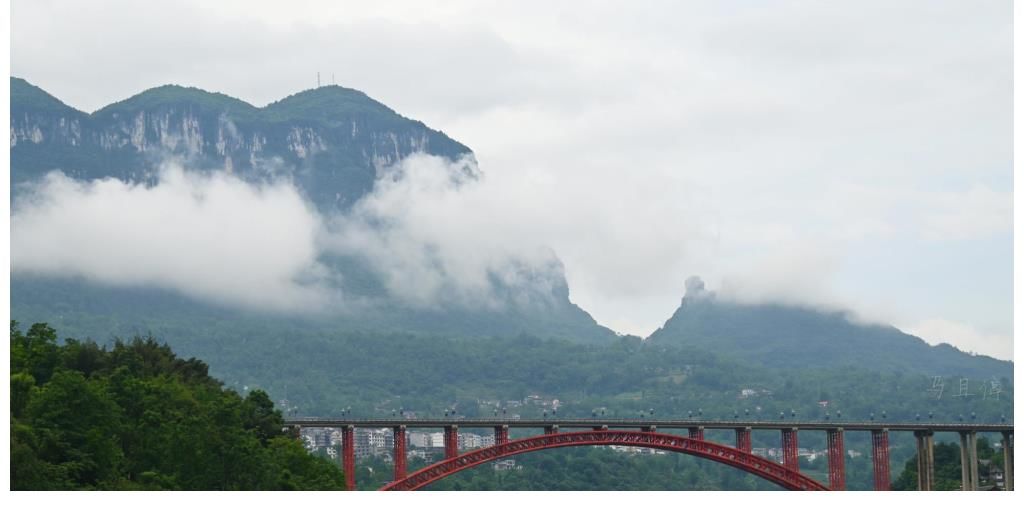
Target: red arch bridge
{"x":644,"y":433}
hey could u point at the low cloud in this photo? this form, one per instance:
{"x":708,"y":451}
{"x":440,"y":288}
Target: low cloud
{"x":431,"y":230}
{"x":797,"y":274}
{"x":439,"y":233}
{"x":434,"y":233}
{"x":209,"y":236}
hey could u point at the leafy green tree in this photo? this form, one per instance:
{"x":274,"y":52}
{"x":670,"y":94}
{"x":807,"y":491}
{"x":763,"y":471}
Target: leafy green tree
{"x":138,"y":417}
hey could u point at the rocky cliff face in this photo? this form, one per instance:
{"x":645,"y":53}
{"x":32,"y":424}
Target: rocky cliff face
{"x":333,"y":140}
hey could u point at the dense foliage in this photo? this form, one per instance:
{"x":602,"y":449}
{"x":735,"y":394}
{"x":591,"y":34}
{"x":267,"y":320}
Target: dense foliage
{"x":135,"y":416}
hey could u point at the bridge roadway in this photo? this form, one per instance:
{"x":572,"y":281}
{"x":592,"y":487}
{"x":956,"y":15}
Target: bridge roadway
{"x":612,"y":423}
{"x":617,"y":429}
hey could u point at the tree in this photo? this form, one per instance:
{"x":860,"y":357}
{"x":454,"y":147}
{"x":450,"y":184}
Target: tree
{"x":139,"y":417}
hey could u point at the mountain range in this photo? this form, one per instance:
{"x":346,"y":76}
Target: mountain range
{"x":331,"y":142}
{"x":334,"y":143}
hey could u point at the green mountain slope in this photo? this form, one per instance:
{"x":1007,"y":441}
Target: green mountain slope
{"x":783,"y":336}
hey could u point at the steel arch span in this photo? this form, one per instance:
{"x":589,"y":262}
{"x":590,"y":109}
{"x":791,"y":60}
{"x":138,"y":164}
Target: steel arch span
{"x":766,"y":469}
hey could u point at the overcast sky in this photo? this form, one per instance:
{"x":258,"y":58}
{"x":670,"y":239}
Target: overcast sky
{"x":853,"y":154}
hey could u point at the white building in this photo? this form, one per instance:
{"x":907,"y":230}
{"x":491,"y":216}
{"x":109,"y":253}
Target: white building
{"x":437,"y":440}
{"x":373,"y":442}
{"x":469,"y":441}
{"x":506,"y":464}
{"x":419,"y":440}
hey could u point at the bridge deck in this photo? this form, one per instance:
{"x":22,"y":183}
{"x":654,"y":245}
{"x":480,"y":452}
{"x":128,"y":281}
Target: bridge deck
{"x":323,"y":422}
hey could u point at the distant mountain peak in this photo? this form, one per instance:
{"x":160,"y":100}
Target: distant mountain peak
{"x":329,"y":104}
{"x":25,"y":96}
{"x":784,"y":335}
{"x":172,"y":95}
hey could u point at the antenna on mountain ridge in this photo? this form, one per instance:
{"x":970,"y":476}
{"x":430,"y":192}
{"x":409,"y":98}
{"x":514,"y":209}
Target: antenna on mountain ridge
{"x":318,"y":79}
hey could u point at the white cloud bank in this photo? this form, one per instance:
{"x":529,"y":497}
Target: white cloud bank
{"x":430,"y":229}
{"x":877,"y":134}
{"x":213,"y":237}
{"x":437,"y":233}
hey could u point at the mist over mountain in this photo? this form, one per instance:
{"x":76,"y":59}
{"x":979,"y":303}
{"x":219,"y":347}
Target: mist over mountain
{"x":327,"y":211}
{"x":301,"y":206}
{"x":788,"y":337}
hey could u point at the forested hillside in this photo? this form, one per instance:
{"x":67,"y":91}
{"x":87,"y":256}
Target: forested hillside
{"x":787,"y":337}
{"x":136,"y":417}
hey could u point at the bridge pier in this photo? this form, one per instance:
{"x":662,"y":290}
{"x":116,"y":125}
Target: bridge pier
{"x":551,"y":429}
{"x":925,"y":460}
{"x":399,"y":453}
{"x":743,"y":439}
{"x":348,"y":455}
{"x":1008,"y":460}
{"x":968,"y":461}
{"x":603,"y":427}
{"x":790,"y":449}
{"x":880,"y":458}
{"x":649,"y":429}
{"x":836,"y":460}
{"x":696,"y":433}
{"x":501,"y":434}
{"x":451,"y":441}
{"x":975,"y":483}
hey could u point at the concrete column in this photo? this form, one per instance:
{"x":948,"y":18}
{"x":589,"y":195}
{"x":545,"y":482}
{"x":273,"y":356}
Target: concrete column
{"x":1008,"y":460}
{"x":968,"y":461}
{"x":551,"y":429}
{"x":925,"y":460}
{"x":649,"y":429}
{"x":975,"y":483}
{"x":930,"y":445}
